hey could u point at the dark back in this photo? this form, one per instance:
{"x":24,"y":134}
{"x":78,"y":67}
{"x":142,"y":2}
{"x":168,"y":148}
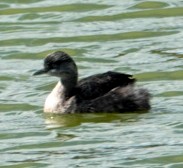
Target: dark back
{"x":98,"y":85}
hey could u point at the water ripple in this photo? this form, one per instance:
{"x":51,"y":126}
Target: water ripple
{"x":142,"y":38}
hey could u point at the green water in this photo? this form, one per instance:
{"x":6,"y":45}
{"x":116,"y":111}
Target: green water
{"x":144,"y":38}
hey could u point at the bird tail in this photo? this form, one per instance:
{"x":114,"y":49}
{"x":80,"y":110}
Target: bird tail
{"x":133,"y":98}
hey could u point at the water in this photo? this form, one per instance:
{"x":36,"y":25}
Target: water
{"x":143,"y":38}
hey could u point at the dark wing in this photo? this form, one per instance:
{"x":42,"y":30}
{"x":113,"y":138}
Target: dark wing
{"x":98,"y":85}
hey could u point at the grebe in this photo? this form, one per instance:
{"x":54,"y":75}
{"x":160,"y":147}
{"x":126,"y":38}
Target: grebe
{"x":105,"y":92}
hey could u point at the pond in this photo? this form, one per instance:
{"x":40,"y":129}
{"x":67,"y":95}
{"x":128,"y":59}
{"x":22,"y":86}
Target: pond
{"x":143,"y":38}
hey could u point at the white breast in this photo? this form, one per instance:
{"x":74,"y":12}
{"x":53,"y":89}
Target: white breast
{"x":53,"y":103}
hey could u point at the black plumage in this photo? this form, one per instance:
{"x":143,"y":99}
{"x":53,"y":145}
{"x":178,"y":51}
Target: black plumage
{"x":97,"y":85}
{"x":105,"y":92}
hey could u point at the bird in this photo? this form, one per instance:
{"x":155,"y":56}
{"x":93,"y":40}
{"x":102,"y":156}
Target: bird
{"x":107,"y":92}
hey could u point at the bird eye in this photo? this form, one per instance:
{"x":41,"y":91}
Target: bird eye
{"x":48,"y":65}
{"x":57,"y":63}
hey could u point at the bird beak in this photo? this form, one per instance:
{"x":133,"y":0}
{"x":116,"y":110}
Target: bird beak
{"x":40,"y":72}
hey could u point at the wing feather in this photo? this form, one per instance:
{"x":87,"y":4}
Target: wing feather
{"x":100,"y":84}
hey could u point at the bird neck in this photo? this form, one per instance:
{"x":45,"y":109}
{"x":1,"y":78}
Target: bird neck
{"x":69,"y":84}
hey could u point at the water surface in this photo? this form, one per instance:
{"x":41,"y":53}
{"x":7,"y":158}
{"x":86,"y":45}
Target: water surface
{"x":143,"y":38}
